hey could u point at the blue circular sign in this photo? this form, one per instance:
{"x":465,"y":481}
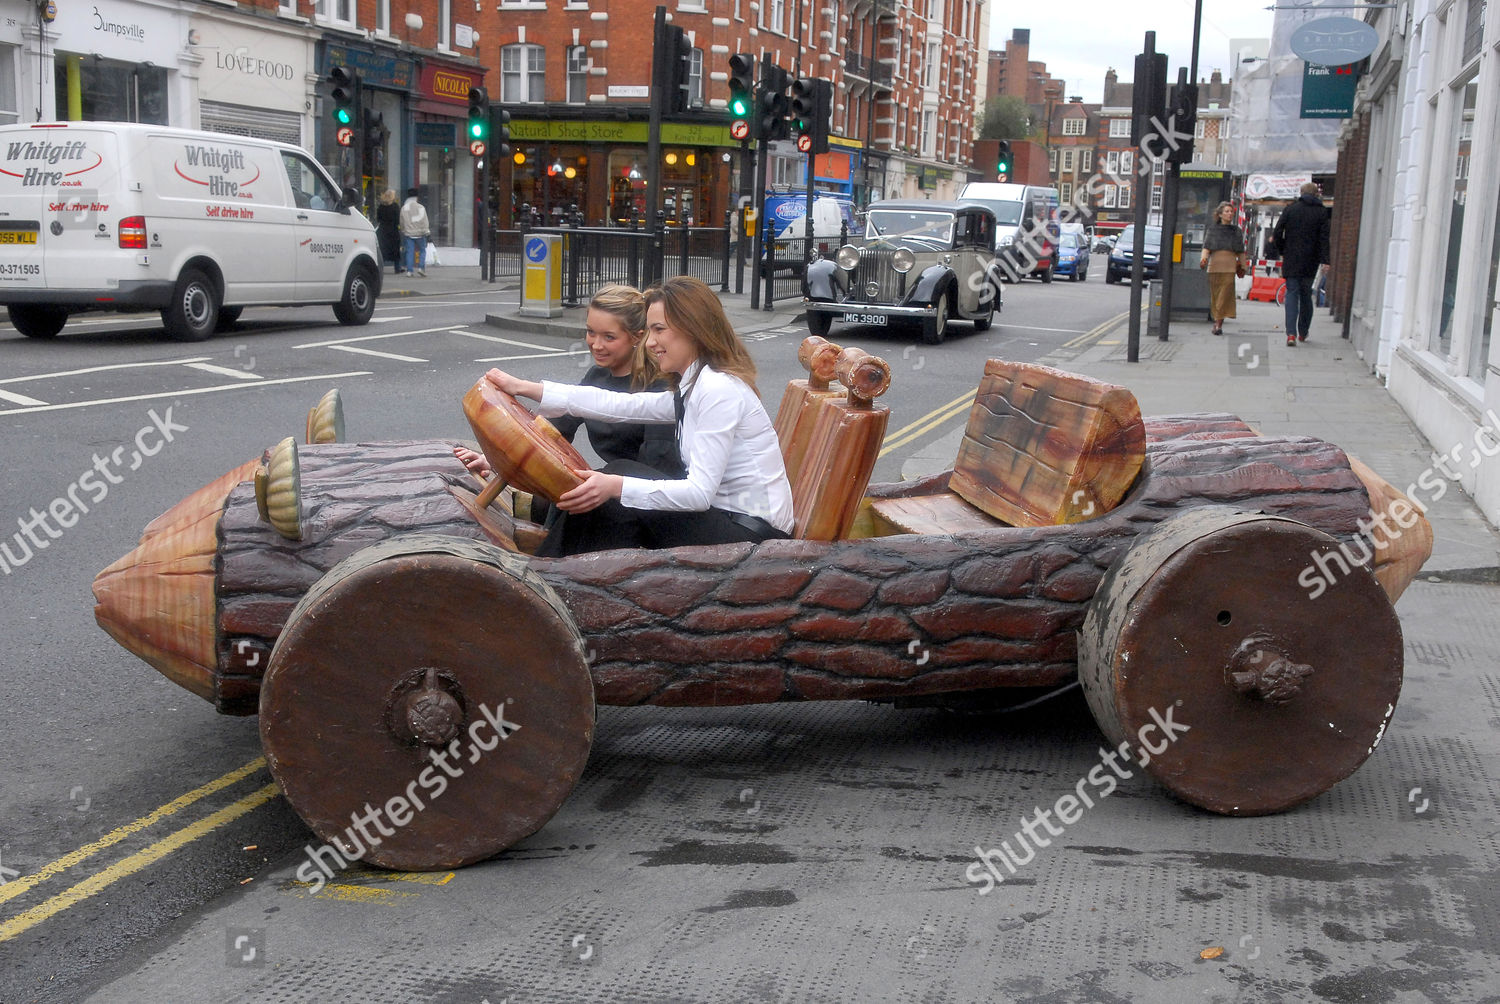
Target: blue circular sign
{"x":536,"y":249}
{"x":1334,"y":41}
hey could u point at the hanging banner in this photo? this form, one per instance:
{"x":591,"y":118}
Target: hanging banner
{"x":1328,"y":91}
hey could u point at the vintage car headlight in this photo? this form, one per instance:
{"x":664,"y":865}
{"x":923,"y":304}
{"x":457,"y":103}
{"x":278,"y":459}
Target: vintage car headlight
{"x":903,"y":260}
{"x":847,"y":257}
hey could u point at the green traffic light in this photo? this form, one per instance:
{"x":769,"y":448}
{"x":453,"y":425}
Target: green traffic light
{"x":343,"y":116}
{"x":740,"y":107}
{"x":476,"y":130}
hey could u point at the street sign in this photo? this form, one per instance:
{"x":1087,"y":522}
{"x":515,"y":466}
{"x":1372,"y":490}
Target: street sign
{"x":1334,"y":41}
{"x":739,"y":129}
{"x":804,"y":143}
{"x":1328,"y":91}
{"x":476,"y":148}
{"x":345,"y":135}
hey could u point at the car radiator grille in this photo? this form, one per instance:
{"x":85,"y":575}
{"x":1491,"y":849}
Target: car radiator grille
{"x":875,"y":266}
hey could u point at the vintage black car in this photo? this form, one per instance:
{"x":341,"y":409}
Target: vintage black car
{"x":920,"y":262}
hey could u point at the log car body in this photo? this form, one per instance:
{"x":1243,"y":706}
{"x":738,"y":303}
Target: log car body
{"x":968,"y":605}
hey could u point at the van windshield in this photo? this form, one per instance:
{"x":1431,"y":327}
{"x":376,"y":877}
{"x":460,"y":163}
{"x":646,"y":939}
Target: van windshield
{"x":1007,"y":213}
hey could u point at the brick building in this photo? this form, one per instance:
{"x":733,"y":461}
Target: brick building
{"x":576,"y":81}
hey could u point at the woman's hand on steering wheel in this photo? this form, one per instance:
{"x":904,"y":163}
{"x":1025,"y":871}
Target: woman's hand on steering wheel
{"x":596,"y":490}
{"x":475,"y":462}
{"x":514,"y":386}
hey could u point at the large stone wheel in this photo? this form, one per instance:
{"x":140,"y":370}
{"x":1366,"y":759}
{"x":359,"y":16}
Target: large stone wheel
{"x":1207,"y":623}
{"x":393,"y":675}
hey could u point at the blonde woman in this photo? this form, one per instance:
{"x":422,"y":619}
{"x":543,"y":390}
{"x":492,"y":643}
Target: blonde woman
{"x":1224,"y":258}
{"x":735,"y":488}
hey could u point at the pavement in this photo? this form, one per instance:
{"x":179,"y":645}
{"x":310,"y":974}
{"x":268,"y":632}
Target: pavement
{"x":818,"y":852}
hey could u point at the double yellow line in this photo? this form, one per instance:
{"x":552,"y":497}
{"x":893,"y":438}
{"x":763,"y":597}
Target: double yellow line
{"x":140,"y":859}
{"x":934,"y":418}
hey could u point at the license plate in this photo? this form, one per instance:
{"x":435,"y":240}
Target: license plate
{"x":17,"y":236}
{"x":850,"y":318}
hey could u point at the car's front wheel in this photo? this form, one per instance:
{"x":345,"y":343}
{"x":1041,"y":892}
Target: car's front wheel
{"x":934,"y":328}
{"x":37,"y":320}
{"x":358,"y":302}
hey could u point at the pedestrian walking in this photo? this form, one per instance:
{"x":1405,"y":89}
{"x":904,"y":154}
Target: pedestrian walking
{"x":1301,"y":238}
{"x":1224,"y":258}
{"x":414,"y":231}
{"x":388,"y":229}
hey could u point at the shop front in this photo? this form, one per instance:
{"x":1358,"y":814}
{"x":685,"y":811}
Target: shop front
{"x":600,"y":168}
{"x":373,"y":164}
{"x":253,"y":79}
{"x":443,"y":169}
{"x":117,"y":61}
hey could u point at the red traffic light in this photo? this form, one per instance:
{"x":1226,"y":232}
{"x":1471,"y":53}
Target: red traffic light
{"x":804,"y":143}
{"x":739,"y":129}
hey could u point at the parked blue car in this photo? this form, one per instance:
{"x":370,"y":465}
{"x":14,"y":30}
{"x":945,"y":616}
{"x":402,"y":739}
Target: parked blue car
{"x":1073,"y":257}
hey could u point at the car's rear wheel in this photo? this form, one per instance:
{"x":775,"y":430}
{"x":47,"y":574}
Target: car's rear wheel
{"x":935,"y":327}
{"x":1110,"y":278}
{"x":37,"y":320}
{"x":193,"y":311}
{"x":357,"y":304}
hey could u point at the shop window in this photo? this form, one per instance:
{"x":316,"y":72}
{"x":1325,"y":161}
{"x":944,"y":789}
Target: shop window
{"x":578,"y":74}
{"x":1460,"y":188}
{"x":116,"y":92}
{"x":9,"y":111}
{"x":522,"y":73}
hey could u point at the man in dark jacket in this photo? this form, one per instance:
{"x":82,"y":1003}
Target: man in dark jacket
{"x":1301,"y":235}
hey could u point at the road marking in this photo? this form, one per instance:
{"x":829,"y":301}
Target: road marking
{"x":1096,"y":330}
{"x":371,"y":338}
{"x":126,"y":867}
{"x":497,"y":338}
{"x":224,"y":371}
{"x":387,"y":320}
{"x":100,"y":369}
{"x":375,"y":352}
{"x":1064,"y":331}
{"x":42,"y":874}
{"x":13,"y":398}
{"x":368,"y":895}
{"x":528,"y":355}
{"x":183,"y":393}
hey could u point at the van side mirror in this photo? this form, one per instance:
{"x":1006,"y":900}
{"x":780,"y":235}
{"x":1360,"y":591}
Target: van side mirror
{"x":349,"y":198}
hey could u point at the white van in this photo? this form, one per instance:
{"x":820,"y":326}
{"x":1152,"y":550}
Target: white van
{"x":1026,"y":218}
{"x":198,"y":225}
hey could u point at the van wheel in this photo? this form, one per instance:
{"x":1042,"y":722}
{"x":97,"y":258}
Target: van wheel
{"x":227,"y":317}
{"x":1045,"y":274}
{"x":194,"y":308}
{"x":34,"y":321}
{"x":358,"y":302}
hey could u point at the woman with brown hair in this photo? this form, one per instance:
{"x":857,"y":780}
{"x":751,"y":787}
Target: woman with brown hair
{"x":735,"y":487}
{"x":1224,"y":258}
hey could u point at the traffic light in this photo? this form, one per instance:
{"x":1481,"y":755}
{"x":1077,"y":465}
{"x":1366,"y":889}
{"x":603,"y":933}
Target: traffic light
{"x":678,"y":57}
{"x":345,"y":92}
{"x":1002,"y":160}
{"x":742,"y":96}
{"x":773,"y":106}
{"x":500,"y":131}
{"x":479,"y":116}
{"x":1184,"y":123}
{"x":811,"y":105}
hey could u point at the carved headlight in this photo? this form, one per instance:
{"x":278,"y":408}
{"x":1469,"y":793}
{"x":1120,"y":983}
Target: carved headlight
{"x":847,"y":257}
{"x":903,"y":260}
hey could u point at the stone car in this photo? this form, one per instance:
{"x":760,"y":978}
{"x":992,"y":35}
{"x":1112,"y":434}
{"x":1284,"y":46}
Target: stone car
{"x":920,"y":263}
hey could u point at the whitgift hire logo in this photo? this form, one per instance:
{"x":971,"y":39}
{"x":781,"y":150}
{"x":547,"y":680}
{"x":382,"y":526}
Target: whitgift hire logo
{"x":1098,"y":784}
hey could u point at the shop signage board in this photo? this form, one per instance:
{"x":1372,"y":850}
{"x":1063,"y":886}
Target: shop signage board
{"x":376,"y":69}
{"x":434,"y":134}
{"x":257,"y":68}
{"x":1328,"y":91}
{"x":443,"y":83}
{"x":1334,"y":41}
{"x":672,"y":133}
{"x":1275,"y":186}
{"x":128,"y":31}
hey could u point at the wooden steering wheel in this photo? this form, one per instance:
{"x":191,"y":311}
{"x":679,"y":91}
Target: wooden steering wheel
{"x":523,"y":449}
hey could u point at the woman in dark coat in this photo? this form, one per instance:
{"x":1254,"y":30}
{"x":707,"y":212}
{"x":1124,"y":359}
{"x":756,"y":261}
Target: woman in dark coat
{"x":1224,"y":257}
{"x":387,"y":228}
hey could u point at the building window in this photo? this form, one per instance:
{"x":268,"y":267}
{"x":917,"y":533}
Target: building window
{"x":578,"y":74}
{"x":1112,"y":163}
{"x":1118,"y":128}
{"x":1085,"y":160}
{"x":382,"y":16}
{"x":522,"y":76}
{"x":1067,"y":161}
{"x":1156,"y":196}
{"x":772,"y":14}
{"x":1109,"y":196}
{"x":1074,"y":127}
{"x":1052,"y":160}
{"x":337,"y":11}
{"x":695,"y":79}
{"x":929,"y":133}
{"x":1065,"y":192}
{"x":1460,"y":167}
{"x":1200,"y":130}
{"x":1127,"y":161}
{"x":1123,"y":201}
{"x":445,"y":23}
{"x":930,"y":70}
{"x":1473,"y":29}
{"x":288,"y":7}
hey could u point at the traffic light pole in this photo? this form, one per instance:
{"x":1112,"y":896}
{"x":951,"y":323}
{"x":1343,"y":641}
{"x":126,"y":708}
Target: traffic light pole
{"x":762,"y":152}
{"x":747,"y":173}
{"x":653,"y":133}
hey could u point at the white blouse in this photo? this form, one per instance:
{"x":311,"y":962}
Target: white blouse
{"x":728,"y":444}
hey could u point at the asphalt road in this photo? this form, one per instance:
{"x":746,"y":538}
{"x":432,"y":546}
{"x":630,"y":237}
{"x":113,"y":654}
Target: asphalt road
{"x":109,"y":841}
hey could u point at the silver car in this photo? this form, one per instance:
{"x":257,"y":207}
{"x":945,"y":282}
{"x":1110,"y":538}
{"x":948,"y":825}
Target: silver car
{"x":920,"y":263}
